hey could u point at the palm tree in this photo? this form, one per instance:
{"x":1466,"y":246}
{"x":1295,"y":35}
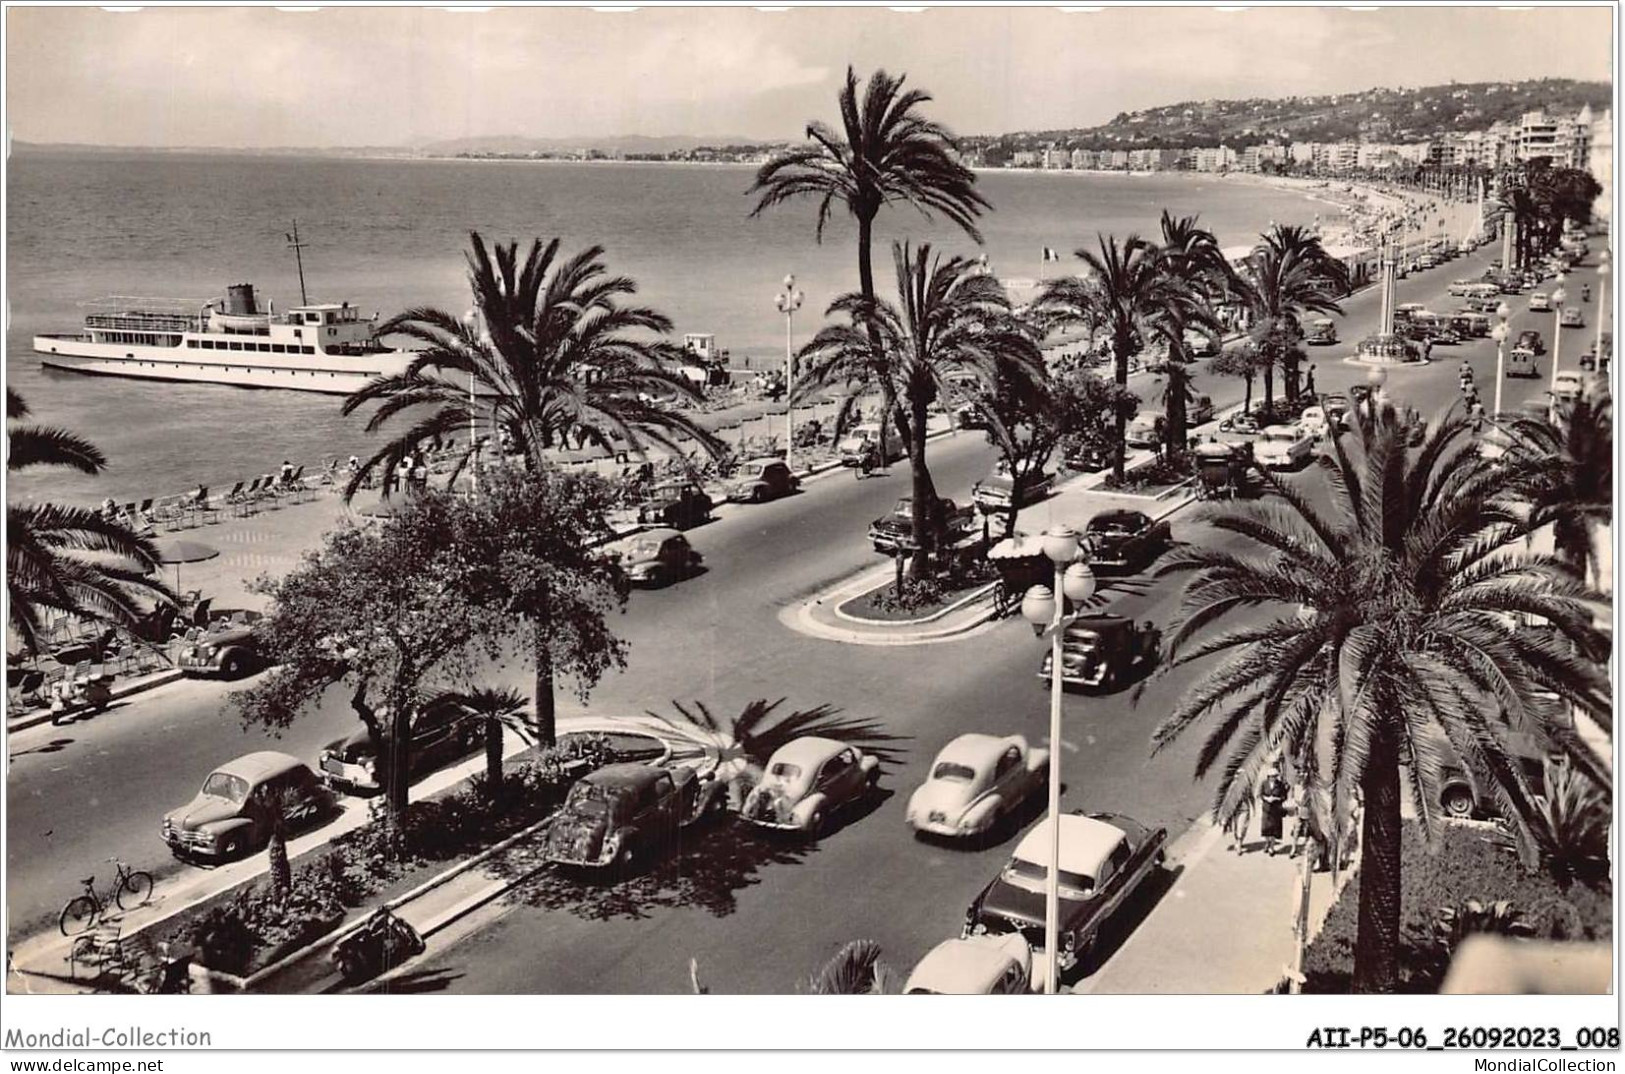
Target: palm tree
{"x":1131,"y":296}
{"x":496,"y":709}
{"x":560,"y":358}
{"x":854,"y":970}
{"x":950,"y":317}
{"x":1288,"y":275}
{"x":1190,"y":253}
{"x":1574,"y":491}
{"x":885,"y":152}
{"x":1385,"y":632}
{"x":43,"y":573}
{"x":277,"y":803}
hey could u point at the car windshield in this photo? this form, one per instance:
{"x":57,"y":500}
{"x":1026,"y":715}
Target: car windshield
{"x":227,"y":786}
{"x":642,"y":549}
{"x":1112,"y":525}
{"x":955,"y":773}
{"x":1280,"y":434}
{"x":785,"y":772}
{"x":1032,"y":876}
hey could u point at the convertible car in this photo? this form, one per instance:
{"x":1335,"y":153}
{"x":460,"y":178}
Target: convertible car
{"x":977,"y":781}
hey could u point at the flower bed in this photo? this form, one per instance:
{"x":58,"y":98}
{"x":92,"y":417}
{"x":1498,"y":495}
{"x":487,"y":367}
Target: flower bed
{"x":247,"y":928}
{"x":1469,"y":865}
{"x":1155,"y":477}
{"x":919,"y":599}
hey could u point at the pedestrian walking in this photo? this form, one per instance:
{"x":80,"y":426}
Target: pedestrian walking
{"x":1309,"y":382}
{"x":1272,"y":808}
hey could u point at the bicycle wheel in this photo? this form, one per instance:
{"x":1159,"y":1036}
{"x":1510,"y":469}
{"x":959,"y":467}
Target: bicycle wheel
{"x":78,"y":916}
{"x":134,"y":890}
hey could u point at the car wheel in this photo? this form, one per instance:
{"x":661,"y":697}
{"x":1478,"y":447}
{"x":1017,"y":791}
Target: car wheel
{"x":234,"y":665}
{"x":756,"y":495}
{"x":232,"y":847}
{"x":1457,"y":801}
{"x":815,"y":823}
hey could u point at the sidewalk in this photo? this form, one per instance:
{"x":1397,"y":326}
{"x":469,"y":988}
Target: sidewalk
{"x":1188,"y":946}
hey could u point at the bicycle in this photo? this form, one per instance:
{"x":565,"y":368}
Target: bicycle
{"x":133,"y":888}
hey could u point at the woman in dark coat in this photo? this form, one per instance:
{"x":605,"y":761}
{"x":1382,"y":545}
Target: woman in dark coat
{"x":1272,"y":807}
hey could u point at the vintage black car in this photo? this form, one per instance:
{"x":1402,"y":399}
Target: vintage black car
{"x":894,"y":533}
{"x":1530,"y":340}
{"x":677,"y":503}
{"x":656,"y":557}
{"x":228,"y":648}
{"x":1125,"y":540}
{"x":1104,"y":859}
{"x":441,"y":733}
{"x":992,"y":494}
{"x":616,"y":815}
{"x":1102,"y":652}
{"x":1087,"y":459}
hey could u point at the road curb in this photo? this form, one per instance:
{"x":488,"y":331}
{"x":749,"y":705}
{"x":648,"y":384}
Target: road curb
{"x":119,"y":693}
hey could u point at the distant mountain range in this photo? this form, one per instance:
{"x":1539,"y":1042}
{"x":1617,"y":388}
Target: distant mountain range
{"x":1378,"y":115}
{"x":500,"y":145}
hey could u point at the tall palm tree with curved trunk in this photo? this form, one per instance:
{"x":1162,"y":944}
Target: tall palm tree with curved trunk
{"x":1129,"y":294}
{"x":560,"y":357}
{"x":1288,"y":275}
{"x":557,"y":356}
{"x":950,"y":317}
{"x":1574,"y":491}
{"x":1362,"y":638}
{"x":885,"y":151}
{"x":1189,"y":253}
{"x":44,"y":572}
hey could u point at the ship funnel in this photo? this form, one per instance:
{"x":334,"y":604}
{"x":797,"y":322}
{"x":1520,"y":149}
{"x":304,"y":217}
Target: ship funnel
{"x":240,"y":299}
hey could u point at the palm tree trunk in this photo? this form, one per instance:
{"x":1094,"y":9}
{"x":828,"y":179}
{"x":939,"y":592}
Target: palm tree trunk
{"x":926,"y":518}
{"x":493,"y":758}
{"x":277,"y":851}
{"x":1376,"y":949}
{"x":1121,"y":342}
{"x":1247,"y":399}
{"x":1269,"y":389}
{"x":546,"y":713}
{"x":866,"y":284}
{"x":1289,"y":375}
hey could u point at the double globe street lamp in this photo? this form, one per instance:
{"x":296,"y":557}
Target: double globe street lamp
{"x":788,"y":301}
{"x":1602,"y":304}
{"x":1499,"y":333}
{"x":1559,"y":296}
{"x":1075,"y":583}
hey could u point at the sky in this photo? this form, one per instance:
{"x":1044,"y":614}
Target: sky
{"x":333,"y":77}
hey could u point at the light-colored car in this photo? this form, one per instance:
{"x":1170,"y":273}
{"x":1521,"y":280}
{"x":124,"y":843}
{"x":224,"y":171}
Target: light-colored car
{"x":760,"y":480}
{"x":1320,"y":331}
{"x":1200,"y":344}
{"x":1144,"y":431}
{"x":976,"y":781}
{"x":231,"y":813}
{"x":1540,"y":301}
{"x":1404,"y":310}
{"x":806,"y":781}
{"x":1572,"y":317}
{"x":1283,"y":447}
{"x":974,"y":966}
{"x":1314,"y":422}
{"x":1459,"y":287}
{"x":1566,"y":386}
{"x":656,"y":556}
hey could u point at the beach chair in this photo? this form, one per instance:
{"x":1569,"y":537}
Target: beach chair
{"x":298,"y":491}
{"x":26,"y":691}
{"x":234,"y":500}
{"x":200,"y":613}
{"x":206,"y":511}
{"x":168,"y":514}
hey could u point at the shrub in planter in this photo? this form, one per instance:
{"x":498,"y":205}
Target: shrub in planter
{"x":221,"y":939}
{"x":916,"y":593}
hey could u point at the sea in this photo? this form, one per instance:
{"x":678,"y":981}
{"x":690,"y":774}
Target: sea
{"x":387,"y":234}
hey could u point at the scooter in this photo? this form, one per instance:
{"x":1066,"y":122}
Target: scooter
{"x":87,"y":694}
{"x":383,"y":942}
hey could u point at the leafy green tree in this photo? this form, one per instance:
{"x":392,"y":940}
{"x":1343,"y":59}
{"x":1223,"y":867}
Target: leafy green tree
{"x":950,"y":317}
{"x":557,"y":357}
{"x":885,"y":152}
{"x":44,"y":572}
{"x":384,"y":610}
{"x":1380,"y":627}
{"x":1243,"y":361}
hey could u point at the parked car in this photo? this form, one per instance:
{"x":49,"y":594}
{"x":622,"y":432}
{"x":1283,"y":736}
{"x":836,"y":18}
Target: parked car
{"x":1125,"y":540}
{"x":970,"y":416}
{"x":1540,"y":302}
{"x":1102,"y":651}
{"x":1087,"y":459}
{"x":1459,"y":288}
{"x":1512,"y":285}
{"x":1284,"y":447}
{"x":1521,"y":363}
{"x":1104,"y":859}
{"x":678,"y":503}
{"x":440,"y":734}
{"x":894,"y":533}
{"x":975,"y":783}
{"x":806,"y":781}
{"x":1566,"y":386}
{"x":231,"y":816}
{"x":1200,"y":344}
{"x":1145,"y":431}
{"x":616,"y":815}
{"x":1404,"y":310}
{"x":1335,"y":405}
{"x":992,"y":494}
{"x":1198,"y":411}
{"x":760,"y":480}
{"x":974,"y":966}
{"x":863,"y":441}
{"x":1572,"y":317}
{"x":1313,"y":422}
{"x":656,"y":556}
{"x":228,"y":648}
{"x":1531,"y":339}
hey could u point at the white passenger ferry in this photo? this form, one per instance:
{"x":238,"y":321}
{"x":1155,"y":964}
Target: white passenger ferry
{"x":323,"y":347}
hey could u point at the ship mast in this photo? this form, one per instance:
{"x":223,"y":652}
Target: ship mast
{"x":295,"y":245}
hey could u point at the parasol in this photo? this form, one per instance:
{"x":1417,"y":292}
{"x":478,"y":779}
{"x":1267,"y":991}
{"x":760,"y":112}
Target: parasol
{"x":178,"y":552}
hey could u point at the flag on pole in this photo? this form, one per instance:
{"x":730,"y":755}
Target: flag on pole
{"x":1051,"y":255}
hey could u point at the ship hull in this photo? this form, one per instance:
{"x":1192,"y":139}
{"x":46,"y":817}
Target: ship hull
{"x":327,"y":374}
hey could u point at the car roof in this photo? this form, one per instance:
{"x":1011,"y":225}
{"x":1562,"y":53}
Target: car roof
{"x":626,"y":775}
{"x":762,"y":462}
{"x":1118,"y":514}
{"x":1098,"y":623}
{"x":807,"y":751}
{"x":1281,"y":430}
{"x":260,"y":765}
{"x":960,"y":967}
{"x":976,"y":750}
{"x":1085,"y":843}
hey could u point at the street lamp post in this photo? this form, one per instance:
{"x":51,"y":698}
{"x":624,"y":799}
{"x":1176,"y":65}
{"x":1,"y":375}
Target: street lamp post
{"x":1499,"y":334}
{"x":1074,"y":581}
{"x":1558,"y":297}
{"x":788,"y":301}
{"x":1602,"y":304}
{"x":472,"y":319}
